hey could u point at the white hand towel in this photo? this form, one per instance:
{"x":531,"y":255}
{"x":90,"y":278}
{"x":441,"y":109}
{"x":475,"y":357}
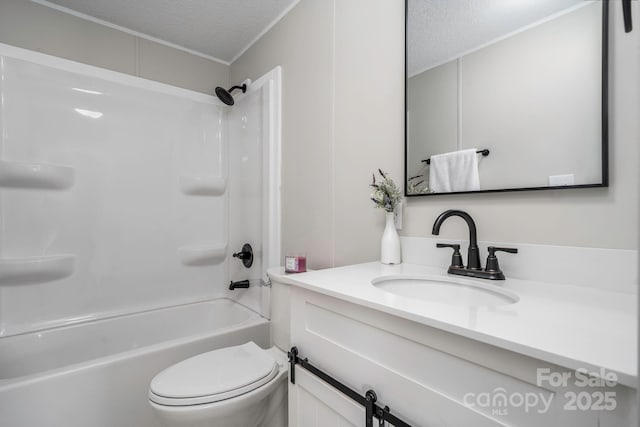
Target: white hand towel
{"x":456,"y":171}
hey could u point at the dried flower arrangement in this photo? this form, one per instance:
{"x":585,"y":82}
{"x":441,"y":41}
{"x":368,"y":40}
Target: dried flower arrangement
{"x":386,"y":194}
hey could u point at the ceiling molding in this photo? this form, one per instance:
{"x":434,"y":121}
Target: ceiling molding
{"x":266,"y":30}
{"x":209,"y":29}
{"x":127,"y":30}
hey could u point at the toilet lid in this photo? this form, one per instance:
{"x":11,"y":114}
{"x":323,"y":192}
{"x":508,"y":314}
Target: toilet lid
{"x":214,"y":376}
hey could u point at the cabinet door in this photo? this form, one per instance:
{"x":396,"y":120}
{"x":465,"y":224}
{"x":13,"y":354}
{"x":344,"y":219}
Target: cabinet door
{"x":312,"y":403}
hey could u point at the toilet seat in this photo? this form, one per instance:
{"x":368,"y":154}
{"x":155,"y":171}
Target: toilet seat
{"x":214,"y":376}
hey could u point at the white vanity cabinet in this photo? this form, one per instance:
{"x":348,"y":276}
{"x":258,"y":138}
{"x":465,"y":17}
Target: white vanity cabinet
{"x":429,"y":377}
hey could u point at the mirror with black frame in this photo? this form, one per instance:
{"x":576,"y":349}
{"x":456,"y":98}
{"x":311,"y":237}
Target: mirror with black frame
{"x":505,"y":95}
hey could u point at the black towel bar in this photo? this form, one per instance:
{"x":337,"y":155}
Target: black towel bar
{"x":484,"y":153}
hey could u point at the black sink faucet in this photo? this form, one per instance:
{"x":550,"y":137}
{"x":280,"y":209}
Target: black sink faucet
{"x":473,"y":256}
{"x":473,"y":268}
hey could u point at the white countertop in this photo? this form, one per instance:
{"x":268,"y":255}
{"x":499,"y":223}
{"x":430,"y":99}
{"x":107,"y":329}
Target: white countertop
{"x":571,"y":326}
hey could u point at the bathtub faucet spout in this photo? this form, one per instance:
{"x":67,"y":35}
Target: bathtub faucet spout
{"x":241,"y":284}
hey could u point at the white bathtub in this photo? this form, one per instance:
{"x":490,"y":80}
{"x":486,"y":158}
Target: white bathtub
{"x":97,"y":373}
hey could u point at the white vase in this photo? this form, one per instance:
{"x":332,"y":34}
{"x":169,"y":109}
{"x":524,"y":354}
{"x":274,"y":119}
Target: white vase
{"x":390,"y":244}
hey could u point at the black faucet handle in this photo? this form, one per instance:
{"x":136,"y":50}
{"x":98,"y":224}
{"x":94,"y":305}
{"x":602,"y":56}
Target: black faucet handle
{"x":492,"y":259}
{"x":242,"y":255}
{"x":455,"y":246}
{"x":493,"y":249}
{"x":448,"y":245}
{"x":456,"y":258}
{"x":245,"y":255}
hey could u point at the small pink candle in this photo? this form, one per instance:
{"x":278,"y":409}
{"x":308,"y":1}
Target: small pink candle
{"x":295,"y":264}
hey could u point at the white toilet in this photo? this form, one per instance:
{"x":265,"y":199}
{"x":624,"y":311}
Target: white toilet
{"x":241,"y":386}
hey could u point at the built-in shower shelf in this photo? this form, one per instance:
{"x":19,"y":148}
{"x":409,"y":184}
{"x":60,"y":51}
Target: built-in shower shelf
{"x":203,"y":185}
{"x":32,"y":270}
{"x":35,"y":176}
{"x":206,"y":254}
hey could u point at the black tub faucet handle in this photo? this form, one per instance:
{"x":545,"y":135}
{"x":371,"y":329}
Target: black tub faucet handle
{"x":245,"y":255}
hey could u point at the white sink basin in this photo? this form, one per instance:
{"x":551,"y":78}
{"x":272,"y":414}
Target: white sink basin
{"x":446,"y":290}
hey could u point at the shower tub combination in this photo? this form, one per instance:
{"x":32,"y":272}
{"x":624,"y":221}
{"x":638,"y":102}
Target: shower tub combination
{"x":98,"y":373}
{"x":122,"y":201}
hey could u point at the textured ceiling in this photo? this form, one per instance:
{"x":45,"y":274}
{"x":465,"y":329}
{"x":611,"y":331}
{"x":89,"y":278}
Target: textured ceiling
{"x":440,"y":30}
{"x":222,"y":29}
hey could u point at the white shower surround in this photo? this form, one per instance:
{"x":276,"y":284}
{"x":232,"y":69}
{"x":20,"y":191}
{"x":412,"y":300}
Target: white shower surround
{"x":123,"y":217}
{"x":116,"y":202}
{"x":254,"y":186}
{"x":113,"y":192}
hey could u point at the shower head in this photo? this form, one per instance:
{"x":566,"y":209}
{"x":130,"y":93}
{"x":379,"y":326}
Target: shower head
{"x":225,"y":96}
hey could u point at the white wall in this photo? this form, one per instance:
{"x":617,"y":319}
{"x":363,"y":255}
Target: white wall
{"x":302,"y":44}
{"x":368,"y":112}
{"x":343,"y":107}
{"x":32,"y":26}
{"x":332,"y":141}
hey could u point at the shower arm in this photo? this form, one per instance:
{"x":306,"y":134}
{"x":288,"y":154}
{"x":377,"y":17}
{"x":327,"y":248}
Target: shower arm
{"x":243,"y":88}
